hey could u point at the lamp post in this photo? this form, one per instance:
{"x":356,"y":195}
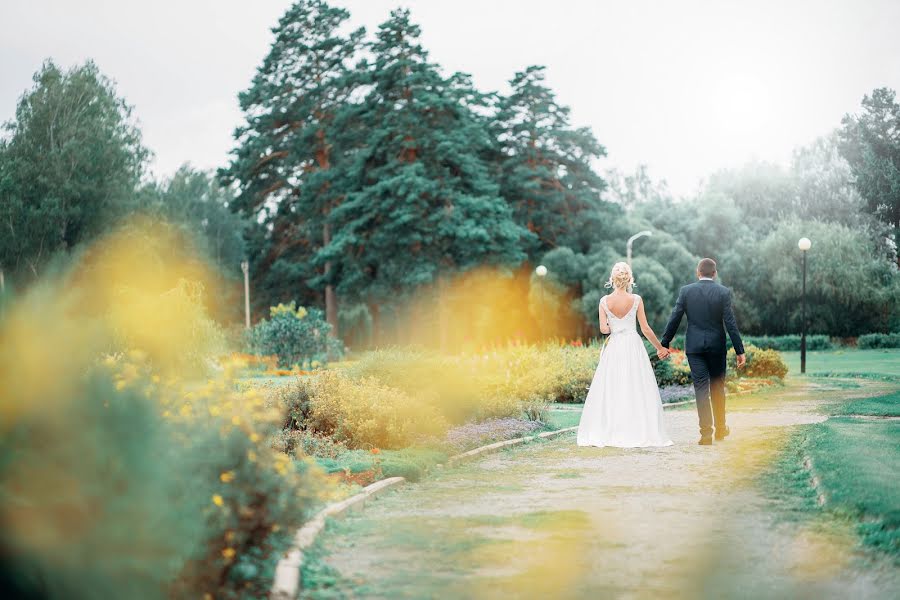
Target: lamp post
{"x":541,"y":272}
{"x":245,"y":267}
{"x":804,"y":244}
{"x":631,"y":241}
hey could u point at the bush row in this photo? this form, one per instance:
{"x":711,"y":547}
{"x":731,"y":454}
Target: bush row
{"x":879,"y":340}
{"x":782,"y":343}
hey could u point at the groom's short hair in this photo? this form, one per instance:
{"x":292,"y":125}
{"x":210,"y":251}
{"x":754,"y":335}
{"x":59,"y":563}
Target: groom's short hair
{"x":707,"y":268}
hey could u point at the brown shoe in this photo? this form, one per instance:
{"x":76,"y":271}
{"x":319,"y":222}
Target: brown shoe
{"x":705,"y":441}
{"x":722,"y":434}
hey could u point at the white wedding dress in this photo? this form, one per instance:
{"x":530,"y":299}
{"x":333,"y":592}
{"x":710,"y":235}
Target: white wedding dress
{"x":623,"y":408}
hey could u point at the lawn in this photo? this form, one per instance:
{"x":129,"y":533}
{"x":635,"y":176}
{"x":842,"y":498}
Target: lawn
{"x":878,"y":362}
{"x":856,"y":461}
{"x":882,"y":406}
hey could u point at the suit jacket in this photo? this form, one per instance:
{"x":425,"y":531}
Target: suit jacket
{"x":709,"y":314}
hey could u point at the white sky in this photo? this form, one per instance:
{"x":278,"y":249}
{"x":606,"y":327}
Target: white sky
{"x":686,"y":87}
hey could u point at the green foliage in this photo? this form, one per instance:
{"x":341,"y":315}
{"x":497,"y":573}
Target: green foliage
{"x":120,"y":515}
{"x":870,"y":141}
{"x":297,"y":336}
{"x":545,"y":167}
{"x":195,"y":202}
{"x":784,"y":343}
{"x":672,"y":371}
{"x":879,"y":340}
{"x":70,"y":163}
{"x":850,"y":288}
{"x":420,"y":201}
{"x":760,"y":363}
{"x":291,"y":155}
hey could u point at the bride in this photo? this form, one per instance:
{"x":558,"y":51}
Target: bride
{"x":623,"y":408}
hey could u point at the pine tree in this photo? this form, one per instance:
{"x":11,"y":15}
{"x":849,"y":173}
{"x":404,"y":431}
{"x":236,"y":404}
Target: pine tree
{"x":421,"y":202}
{"x":545,"y":168}
{"x":287,"y":157}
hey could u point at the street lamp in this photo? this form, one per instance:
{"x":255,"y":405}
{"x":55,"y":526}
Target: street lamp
{"x":631,"y":241}
{"x":804,"y":244}
{"x":245,"y":267}
{"x":541,"y":272}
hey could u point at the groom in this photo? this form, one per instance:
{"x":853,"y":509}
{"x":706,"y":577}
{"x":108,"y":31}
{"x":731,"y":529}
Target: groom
{"x":709,"y":313}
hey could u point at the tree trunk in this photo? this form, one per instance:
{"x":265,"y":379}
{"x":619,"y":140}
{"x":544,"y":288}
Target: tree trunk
{"x":331,"y":303}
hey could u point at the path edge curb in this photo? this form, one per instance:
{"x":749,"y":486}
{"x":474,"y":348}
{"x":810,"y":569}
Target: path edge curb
{"x":286,"y":583}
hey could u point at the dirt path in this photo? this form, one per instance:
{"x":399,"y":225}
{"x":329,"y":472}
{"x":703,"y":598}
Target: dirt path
{"x":551,"y":520}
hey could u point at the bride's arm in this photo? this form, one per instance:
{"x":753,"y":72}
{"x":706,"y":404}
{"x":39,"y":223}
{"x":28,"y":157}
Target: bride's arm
{"x":604,"y":322}
{"x":645,"y":327}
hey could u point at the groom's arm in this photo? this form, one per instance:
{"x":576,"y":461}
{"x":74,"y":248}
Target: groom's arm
{"x":674,"y":320}
{"x":732,"y":326}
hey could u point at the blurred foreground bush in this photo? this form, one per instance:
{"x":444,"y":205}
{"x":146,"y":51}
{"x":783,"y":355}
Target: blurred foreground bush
{"x":129,"y":477}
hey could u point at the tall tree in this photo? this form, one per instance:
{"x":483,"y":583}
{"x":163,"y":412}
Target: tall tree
{"x":421,"y":202}
{"x":545,"y":167}
{"x":870,"y":141}
{"x":71,"y":160}
{"x":287,"y":155}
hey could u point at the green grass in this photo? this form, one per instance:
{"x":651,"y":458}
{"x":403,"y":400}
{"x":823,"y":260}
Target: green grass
{"x":560,"y":419}
{"x":882,"y":406}
{"x":879,"y":362}
{"x":857,"y":462}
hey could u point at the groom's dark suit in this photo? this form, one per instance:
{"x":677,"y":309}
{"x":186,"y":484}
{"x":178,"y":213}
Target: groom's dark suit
{"x":709,"y":313}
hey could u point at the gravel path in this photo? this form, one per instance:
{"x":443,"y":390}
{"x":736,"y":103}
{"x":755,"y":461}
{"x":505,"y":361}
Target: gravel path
{"x":551,"y":520}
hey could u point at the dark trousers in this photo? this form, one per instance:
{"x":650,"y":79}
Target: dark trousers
{"x":708,"y":373}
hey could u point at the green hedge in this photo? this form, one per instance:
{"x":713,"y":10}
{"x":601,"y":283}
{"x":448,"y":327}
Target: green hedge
{"x":879,"y":340}
{"x":783,"y":343}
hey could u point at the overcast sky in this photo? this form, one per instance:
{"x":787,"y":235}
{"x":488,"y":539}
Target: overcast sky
{"x":686,"y":87}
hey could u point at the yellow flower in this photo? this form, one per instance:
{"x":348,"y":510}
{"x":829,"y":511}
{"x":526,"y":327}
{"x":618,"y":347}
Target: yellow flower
{"x":254,"y":437}
{"x":120,"y":385}
{"x":228,"y":553}
{"x":229,"y":536}
{"x":217,"y":500}
{"x":227,"y":476}
{"x":235,"y":420}
{"x":251,"y":455}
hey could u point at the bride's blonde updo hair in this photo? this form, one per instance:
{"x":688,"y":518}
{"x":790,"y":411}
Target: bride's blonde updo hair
{"x":620,"y":277}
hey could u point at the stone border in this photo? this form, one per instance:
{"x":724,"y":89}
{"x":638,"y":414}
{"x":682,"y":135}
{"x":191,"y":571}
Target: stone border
{"x":286,"y":584}
{"x":497,"y":446}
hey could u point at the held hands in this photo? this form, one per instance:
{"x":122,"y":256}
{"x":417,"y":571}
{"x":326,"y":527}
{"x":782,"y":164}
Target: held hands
{"x":741,"y":360}
{"x":663,"y":353}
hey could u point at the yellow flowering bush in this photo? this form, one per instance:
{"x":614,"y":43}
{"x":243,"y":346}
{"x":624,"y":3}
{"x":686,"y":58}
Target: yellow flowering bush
{"x":361,"y":414}
{"x":760,"y":363}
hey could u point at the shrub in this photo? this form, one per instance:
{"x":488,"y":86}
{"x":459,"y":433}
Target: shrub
{"x":879,"y":340}
{"x":297,"y":336}
{"x":789,"y":343}
{"x":196,"y":504}
{"x":672,"y":371}
{"x":362,"y":414}
{"x":760,"y":363}
{"x":782,"y":343}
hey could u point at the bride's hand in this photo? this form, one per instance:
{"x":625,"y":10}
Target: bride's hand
{"x":662,"y":353}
